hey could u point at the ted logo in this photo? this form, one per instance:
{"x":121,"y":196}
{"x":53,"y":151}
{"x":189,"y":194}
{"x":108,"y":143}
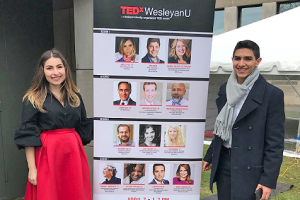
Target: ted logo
{"x":129,"y":10}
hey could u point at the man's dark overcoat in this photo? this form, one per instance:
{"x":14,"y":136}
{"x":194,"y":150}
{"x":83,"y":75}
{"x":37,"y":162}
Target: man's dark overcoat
{"x":257,"y":140}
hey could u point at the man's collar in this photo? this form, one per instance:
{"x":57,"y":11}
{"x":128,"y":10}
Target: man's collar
{"x":151,"y":60}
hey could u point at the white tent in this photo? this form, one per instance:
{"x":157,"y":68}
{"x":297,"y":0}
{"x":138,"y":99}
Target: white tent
{"x":278,"y":38}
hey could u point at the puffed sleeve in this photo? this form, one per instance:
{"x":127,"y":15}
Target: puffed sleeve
{"x":86,"y":126}
{"x":28,"y":134}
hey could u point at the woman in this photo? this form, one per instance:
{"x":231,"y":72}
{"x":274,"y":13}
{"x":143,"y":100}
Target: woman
{"x":180,"y":52}
{"x":127,"y":51}
{"x":135,"y":174}
{"x":54,"y":128}
{"x":174,"y":136}
{"x":150,"y":136}
{"x":183,"y":175}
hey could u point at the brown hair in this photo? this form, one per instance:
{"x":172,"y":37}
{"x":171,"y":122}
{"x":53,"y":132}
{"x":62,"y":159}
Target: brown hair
{"x":37,"y":92}
{"x":149,"y":83}
{"x":188,"y":169}
{"x":123,"y":125}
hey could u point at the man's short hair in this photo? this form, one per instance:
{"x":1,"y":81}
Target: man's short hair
{"x":153,"y":40}
{"x":122,"y":125}
{"x":158,"y":165}
{"x":113,"y":168}
{"x":128,"y":83}
{"x":248,"y":44}
{"x":149,"y":83}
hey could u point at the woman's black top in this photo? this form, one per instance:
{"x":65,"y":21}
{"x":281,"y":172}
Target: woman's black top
{"x":57,"y":117}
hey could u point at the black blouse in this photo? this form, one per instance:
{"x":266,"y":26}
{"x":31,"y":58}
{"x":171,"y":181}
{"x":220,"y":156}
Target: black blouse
{"x":57,"y":117}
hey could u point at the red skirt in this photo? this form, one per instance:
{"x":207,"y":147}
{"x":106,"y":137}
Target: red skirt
{"x":62,"y":168}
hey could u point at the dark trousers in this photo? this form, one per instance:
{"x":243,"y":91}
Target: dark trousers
{"x":223,"y":175}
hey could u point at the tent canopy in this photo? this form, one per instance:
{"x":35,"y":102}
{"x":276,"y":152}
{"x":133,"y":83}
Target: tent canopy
{"x":278,"y":38}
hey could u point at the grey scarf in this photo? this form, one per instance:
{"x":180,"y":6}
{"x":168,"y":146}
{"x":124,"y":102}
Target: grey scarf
{"x":234,"y":93}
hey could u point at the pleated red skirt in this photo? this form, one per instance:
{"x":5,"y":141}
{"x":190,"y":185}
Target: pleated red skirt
{"x":62,"y":168}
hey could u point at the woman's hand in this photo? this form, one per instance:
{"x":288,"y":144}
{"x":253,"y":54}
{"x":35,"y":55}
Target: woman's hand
{"x":132,"y":54}
{"x":32,"y":174}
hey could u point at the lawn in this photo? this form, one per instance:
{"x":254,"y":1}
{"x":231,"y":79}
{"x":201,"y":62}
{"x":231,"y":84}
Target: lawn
{"x":292,"y":176}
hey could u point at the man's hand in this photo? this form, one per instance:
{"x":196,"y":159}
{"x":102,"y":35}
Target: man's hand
{"x":205,"y":165}
{"x":266,"y":191}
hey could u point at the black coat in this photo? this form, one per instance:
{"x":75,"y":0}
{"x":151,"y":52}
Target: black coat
{"x":257,"y":140}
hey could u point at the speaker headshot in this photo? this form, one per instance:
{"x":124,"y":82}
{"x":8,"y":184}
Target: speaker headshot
{"x":183,"y":175}
{"x":180,"y":52}
{"x":124,"y":91}
{"x":135,"y":173}
{"x":153,"y":46}
{"x":174,"y":136}
{"x":178,"y":92}
{"x":159,"y":174}
{"x":127,"y":51}
{"x":124,"y":135}
{"x":150,"y":135}
{"x":109,"y":172}
{"x":149,"y":89}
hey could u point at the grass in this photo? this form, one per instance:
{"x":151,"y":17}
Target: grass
{"x":292,"y":176}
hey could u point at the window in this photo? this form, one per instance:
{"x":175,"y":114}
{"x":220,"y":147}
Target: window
{"x":218,"y":22}
{"x":249,"y":15}
{"x":287,"y":6}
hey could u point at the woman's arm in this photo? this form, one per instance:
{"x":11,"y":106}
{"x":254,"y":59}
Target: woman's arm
{"x":32,"y":174}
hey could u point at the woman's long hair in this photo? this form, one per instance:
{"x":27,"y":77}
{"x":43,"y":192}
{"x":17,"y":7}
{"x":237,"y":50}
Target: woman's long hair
{"x":188,"y":169}
{"x":179,"y":138}
{"x":173,"y":49}
{"x":157,"y":137}
{"x":37,"y":93}
{"x":121,"y":51}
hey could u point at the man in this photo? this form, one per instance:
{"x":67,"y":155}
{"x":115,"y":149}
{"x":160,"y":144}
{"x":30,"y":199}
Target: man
{"x":123,"y":133}
{"x":109,"y":172}
{"x":246,"y":152}
{"x":124,"y":90}
{"x":135,"y":174}
{"x":149,"y":89}
{"x":159,"y":174}
{"x":178,"y":91}
{"x":153,"y":45}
